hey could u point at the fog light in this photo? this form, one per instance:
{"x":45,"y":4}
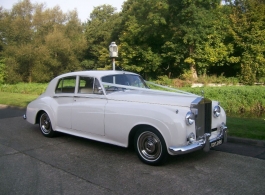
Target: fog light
{"x":191,"y":137}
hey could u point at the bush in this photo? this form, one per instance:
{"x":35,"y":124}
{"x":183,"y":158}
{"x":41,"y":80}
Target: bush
{"x":2,"y":71}
{"x":261,"y":80}
{"x":177,"y":83}
{"x":248,"y":77}
{"x":218,"y":79}
{"x":187,"y":76}
{"x":164,"y":80}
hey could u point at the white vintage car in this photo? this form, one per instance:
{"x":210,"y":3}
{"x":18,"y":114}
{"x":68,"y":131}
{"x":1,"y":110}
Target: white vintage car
{"x":117,"y":107}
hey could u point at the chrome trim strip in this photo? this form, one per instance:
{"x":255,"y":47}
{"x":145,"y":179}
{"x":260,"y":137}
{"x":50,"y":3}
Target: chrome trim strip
{"x":201,"y":144}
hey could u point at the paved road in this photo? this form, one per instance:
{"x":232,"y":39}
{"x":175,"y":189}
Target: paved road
{"x":33,"y":164}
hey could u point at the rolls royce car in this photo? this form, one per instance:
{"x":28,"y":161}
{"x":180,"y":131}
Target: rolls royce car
{"x":118,"y":107}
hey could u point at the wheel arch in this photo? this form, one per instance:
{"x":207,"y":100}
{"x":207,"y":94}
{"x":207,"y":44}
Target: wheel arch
{"x":37,"y":119}
{"x":135,"y":129}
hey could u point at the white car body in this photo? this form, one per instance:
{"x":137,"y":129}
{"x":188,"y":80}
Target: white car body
{"x":114,"y":117}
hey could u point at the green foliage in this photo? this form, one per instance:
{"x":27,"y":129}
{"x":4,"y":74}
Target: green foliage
{"x":214,"y":79}
{"x":187,"y":75}
{"x":246,"y":33}
{"x":2,"y":71}
{"x":177,"y":38}
{"x":143,"y":31}
{"x":201,"y":34}
{"x":24,"y":88}
{"x":164,"y":80}
{"x":40,"y":44}
{"x":197,"y":36}
{"x":16,"y":99}
{"x":98,"y":32}
{"x":247,"y":76}
{"x":261,"y":80}
{"x":242,"y":127}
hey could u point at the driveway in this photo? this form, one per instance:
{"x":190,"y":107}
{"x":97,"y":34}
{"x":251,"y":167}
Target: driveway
{"x":33,"y":164}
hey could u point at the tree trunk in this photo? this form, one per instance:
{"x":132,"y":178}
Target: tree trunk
{"x":169,"y":75}
{"x":30,"y":76}
{"x":192,"y":64}
{"x":193,"y":71}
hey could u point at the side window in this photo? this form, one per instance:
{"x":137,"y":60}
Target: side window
{"x":66,"y":85}
{"x":89,"y":85}
{"x":86,"y":85}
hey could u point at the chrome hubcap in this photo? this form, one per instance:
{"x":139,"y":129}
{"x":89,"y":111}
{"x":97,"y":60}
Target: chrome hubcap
{"x":45,"y":124}
{"x":149,"y":146}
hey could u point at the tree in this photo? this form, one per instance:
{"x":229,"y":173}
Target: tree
{"x":40,"y":43}
{"x":168,"y":37}
{"x":2,"y":71}
{"x":143,"y":33}
{"x":99,"y":29}
{"x":199,"y":34}
{"x":247,"y":31}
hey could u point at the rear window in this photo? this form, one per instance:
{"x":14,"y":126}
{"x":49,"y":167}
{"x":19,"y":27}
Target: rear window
{"x":66,"y":85}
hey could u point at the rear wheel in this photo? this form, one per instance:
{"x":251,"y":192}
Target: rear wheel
{"x":150,"y":146}
{"x":46,"y":125}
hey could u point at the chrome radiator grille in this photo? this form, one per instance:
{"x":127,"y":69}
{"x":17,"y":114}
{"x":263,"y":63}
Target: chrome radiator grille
{"x":202,"y":108}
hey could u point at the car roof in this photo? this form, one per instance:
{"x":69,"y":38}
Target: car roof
{"x":95,"y":73}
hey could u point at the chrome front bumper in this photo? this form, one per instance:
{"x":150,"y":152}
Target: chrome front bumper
{"x":205,"y":143}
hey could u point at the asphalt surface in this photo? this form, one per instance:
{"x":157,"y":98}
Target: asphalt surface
{"x":33,"y":164}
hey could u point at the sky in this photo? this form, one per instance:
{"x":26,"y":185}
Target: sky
{"x":83,"y":7}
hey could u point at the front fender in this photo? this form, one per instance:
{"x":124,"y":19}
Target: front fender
{"x":164,"y":118}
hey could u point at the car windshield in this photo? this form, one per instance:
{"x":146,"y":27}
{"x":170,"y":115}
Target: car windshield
{"x":122,"y":79}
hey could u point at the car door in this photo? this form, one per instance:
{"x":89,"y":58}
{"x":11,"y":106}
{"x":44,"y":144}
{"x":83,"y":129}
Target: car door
{"x":88,"y":107}
{"x":64,"y":97}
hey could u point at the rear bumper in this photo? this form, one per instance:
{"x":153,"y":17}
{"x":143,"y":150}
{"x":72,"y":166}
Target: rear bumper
{"x":205,"y":143}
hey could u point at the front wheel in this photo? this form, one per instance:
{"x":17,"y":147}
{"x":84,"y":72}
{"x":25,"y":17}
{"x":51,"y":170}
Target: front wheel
{"x":150,"y":146}
{"x":46,"y":125}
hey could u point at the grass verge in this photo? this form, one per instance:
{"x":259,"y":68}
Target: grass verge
{"x":252,"y":128}
{"x":16,"y":99}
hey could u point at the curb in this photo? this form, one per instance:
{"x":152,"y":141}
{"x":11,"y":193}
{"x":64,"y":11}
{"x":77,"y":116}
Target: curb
{"x":15,"y":107}
{"x":252,"y":142}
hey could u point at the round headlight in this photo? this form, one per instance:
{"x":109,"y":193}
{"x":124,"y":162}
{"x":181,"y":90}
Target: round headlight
{"x":190,"y":118}
{"x":216,"y":111}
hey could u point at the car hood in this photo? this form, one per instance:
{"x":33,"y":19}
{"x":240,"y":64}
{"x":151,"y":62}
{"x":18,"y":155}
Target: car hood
{"x":153,"y":97}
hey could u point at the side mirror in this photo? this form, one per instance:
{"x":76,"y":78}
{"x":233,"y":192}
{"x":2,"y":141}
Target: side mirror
{"x":99,"y":90}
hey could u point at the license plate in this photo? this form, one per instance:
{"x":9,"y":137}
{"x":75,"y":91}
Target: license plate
{"x":216,"y":143}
